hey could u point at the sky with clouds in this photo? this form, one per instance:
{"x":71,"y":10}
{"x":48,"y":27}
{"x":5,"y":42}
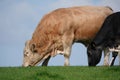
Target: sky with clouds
{"x":19,"y":18}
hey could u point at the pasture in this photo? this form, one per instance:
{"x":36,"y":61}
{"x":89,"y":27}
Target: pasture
{"x":60,"y":73}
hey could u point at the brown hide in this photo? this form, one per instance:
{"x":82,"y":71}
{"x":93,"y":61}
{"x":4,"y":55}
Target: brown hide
{"x":76,"y":24}
{"x":83,"y":21}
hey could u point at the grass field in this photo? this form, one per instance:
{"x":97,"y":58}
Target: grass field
{"x":60,"y":73}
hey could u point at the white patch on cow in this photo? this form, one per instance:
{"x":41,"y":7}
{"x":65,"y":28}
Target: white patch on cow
{"x":58,"y":52}
{"x":106,"y":57}
{"x":115,"y":49}
{"x":107,"y":54}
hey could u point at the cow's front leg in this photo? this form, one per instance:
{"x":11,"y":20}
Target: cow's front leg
{"x":67,"y":56}
{"x":67,"y":41}
{"x":106,"y":57}
{"x":114,"y":55}
{"x":119,"y":57}
{"x":45,"y":63}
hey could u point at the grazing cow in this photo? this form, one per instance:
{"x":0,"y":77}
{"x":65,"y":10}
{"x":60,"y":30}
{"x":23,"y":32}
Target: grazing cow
{"x":59,"y":29}
{"x":107,"y":37}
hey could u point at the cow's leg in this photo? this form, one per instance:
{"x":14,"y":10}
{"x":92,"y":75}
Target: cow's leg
{"x":45,"y":63}
{"x":114,"y":55}
{"x":67,"y":53}
{"x":119,"y":57}
{"x":67,"y":41}
{"x":119,"y":54}
{"x":106,"y":57}
{"x":67,"y":56}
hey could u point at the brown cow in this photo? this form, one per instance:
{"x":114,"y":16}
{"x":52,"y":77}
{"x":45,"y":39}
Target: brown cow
{"x":59,"y":29}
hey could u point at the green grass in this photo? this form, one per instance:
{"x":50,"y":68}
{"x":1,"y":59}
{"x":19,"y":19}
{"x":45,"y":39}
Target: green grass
{"x":60,"y":73}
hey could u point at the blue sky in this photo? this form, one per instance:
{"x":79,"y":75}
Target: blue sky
{"x":19,"y":18}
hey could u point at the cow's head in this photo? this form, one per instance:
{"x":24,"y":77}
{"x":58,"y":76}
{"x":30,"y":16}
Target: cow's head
{"x":94,"y":54}
{"x":32,"y":56}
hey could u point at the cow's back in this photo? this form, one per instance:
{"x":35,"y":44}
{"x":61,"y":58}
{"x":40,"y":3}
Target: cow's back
{"x":83,"y":21}
{"x":90,"y":22}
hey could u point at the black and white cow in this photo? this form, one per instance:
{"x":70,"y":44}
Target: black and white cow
{"x":107,"y":37}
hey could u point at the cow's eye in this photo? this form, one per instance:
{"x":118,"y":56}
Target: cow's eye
{"x":35,"y":51}
{"x":26,"y":54}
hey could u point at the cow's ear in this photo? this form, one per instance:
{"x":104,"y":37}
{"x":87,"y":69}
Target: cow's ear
{"x":27,"y":42}
{"x":32,"y":48}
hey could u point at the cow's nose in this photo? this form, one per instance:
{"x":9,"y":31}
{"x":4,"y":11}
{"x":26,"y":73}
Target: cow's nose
{"x":25,"y":65}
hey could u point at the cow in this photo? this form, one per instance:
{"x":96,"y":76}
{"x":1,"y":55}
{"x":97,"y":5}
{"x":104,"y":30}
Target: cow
{"x":107,"y":37}
{"x":61,"y":28}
